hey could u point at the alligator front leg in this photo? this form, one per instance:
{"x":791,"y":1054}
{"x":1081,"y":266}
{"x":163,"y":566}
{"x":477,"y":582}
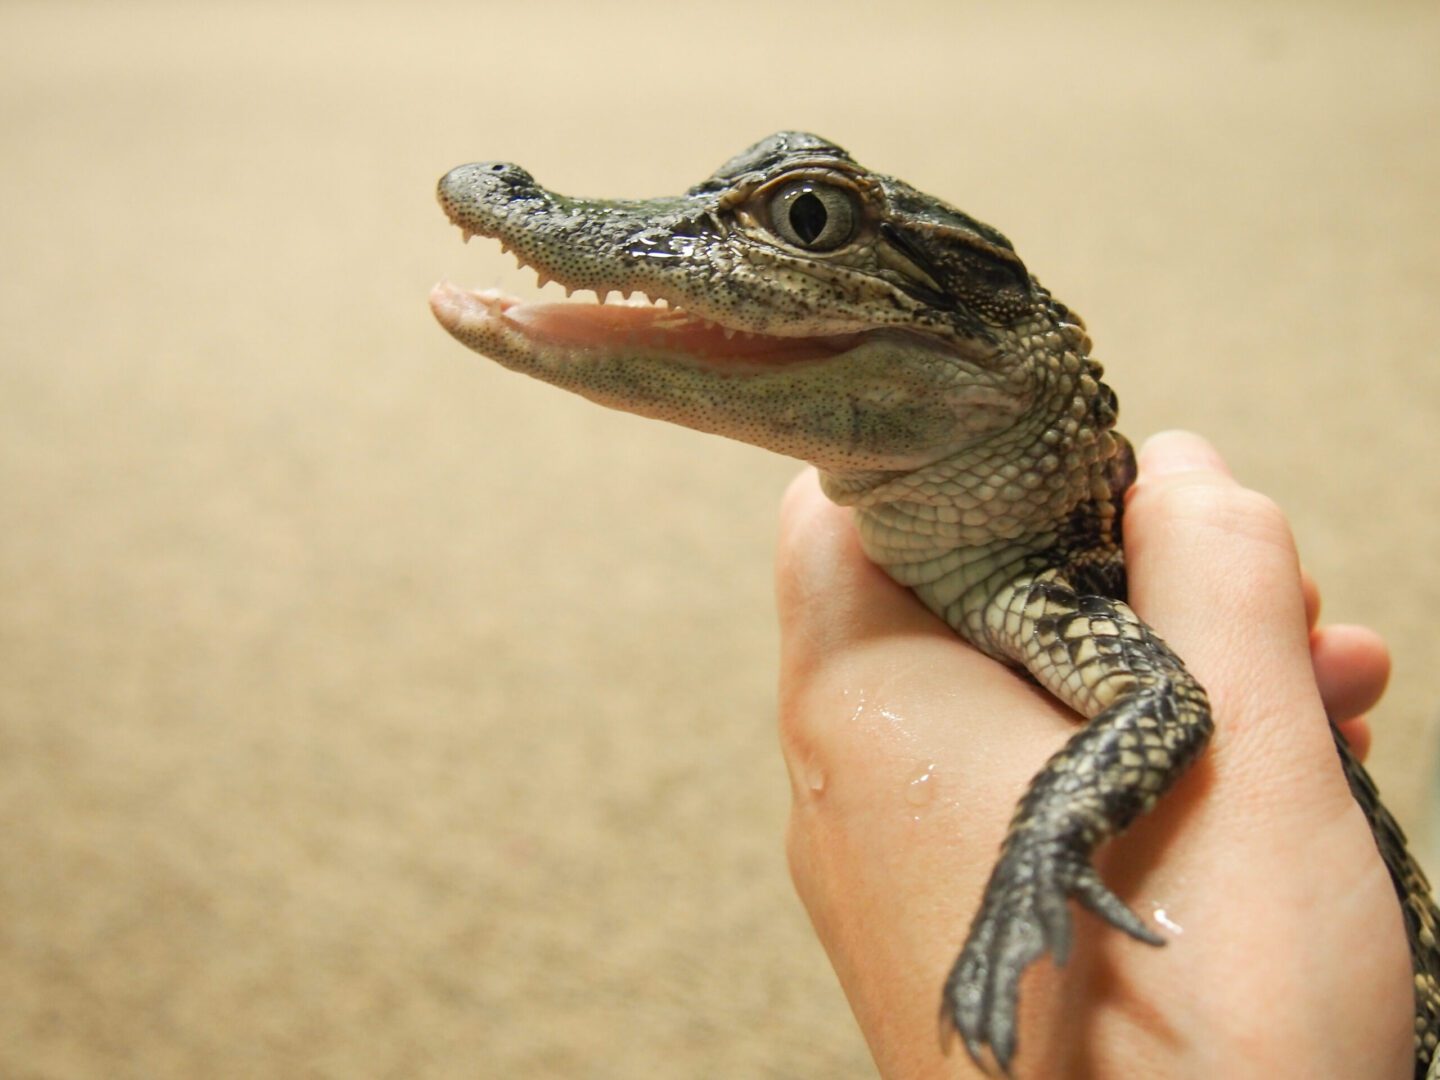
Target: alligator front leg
{"x":1149,"y":720}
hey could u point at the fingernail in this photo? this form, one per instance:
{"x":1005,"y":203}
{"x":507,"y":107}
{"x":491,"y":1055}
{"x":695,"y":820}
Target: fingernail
{"x":1178,"y":452}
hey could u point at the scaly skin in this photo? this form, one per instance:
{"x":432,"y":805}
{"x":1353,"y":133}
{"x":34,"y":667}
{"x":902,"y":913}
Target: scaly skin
{"x":842,"y":317}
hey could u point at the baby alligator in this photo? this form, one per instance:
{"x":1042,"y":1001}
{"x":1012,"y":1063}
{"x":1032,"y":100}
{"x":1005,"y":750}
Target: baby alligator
{"x":808,"y":305}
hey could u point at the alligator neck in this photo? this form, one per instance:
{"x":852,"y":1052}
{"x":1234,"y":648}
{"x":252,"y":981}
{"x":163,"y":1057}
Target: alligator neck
{"x":947,"y":530}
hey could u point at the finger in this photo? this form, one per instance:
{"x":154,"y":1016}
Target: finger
{"x":1212,"y":559}
{"x":1312,"y":598}
{"x":1214,"y":569}
{"x":828,"y":594}
{"x":1357,"y":734}
{"x":1352,"y":668}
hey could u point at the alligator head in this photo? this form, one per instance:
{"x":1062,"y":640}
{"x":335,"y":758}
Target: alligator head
{"x":794,"y":300}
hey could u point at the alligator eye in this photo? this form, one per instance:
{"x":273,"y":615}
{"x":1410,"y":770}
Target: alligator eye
{"x":813,"y":216}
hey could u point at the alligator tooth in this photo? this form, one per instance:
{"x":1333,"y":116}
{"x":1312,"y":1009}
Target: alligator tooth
{"x":569,"y":291}
{"x":727,"y":332}
{"x":542,"y":280}
{"x":504,"y":247}
{"x":466,"y":236}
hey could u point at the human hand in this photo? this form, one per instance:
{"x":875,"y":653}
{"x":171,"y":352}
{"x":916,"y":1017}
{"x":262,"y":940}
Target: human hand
{"x":908,"y":750}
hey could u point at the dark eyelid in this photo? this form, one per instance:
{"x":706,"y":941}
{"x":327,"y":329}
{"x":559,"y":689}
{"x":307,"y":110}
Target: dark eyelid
{"x":911,"y":251}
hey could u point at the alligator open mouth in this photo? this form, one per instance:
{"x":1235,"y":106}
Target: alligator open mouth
{"x":628,"y":327}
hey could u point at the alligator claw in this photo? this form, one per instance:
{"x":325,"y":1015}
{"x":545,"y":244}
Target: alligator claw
{"x":1024,"y":914}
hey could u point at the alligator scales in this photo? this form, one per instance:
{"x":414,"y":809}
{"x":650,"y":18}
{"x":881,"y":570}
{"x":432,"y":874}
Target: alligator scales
{"x":808,"y":305}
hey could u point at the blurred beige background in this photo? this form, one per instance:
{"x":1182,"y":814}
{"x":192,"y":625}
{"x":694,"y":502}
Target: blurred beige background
{"x":366,"y":711}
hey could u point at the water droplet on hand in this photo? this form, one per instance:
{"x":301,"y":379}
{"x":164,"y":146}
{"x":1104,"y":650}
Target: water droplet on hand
{"x":1166,"y":921}
{"x":921,"y":788}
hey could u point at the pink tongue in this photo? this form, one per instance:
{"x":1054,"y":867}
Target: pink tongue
{"x":619,"y":326}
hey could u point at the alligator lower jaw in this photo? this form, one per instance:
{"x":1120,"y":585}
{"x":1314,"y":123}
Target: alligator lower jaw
{"x":485,"y":319}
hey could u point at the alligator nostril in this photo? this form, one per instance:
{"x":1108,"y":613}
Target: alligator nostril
{"x":497,"y":167}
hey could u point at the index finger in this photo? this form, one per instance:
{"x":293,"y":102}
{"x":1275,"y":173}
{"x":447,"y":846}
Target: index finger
{"x":1213,"y":567}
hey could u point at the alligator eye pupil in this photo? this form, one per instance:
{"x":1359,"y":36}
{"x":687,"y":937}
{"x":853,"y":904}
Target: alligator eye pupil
{"x":811,"y":215}
{"x":808,"y":216}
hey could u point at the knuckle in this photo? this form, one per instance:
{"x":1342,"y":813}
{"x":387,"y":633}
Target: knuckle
{"x":802,"y":530}
{"x":1224,"y":511}
{"x":800,"y":507}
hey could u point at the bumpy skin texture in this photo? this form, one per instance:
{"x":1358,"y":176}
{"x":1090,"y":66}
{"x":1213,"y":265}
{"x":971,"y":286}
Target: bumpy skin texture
{"x":842,"y":317}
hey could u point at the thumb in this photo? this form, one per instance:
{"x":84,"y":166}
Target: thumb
{"x":828,"y":594}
